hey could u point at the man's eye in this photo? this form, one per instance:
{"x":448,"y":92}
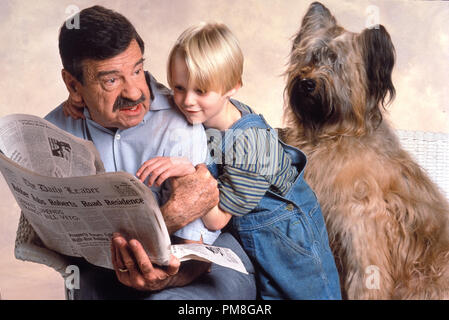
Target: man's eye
{"x":179,"y":88}
{"x":110,"y":81}
{"x":137,"y":72}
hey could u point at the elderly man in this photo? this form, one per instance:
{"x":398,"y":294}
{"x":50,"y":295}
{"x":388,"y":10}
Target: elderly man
{"x":131,"y":118}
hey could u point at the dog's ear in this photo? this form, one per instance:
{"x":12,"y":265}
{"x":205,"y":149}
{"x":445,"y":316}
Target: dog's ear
{"x":318,"y":17}
{"x":379,"y":56}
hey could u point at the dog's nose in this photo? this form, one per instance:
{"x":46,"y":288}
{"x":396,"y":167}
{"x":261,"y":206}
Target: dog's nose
{"x":308,"y":84}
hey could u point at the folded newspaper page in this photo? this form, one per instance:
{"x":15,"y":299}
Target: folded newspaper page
{"x":59,"y":183}
{"x":218,"y":255}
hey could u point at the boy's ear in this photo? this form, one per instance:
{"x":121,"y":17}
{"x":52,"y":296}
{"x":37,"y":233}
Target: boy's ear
{"x":233,"y":91}
{"x":73,"y":86}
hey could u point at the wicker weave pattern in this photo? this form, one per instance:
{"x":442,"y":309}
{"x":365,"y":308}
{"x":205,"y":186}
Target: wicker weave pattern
{"x":431,"y":151}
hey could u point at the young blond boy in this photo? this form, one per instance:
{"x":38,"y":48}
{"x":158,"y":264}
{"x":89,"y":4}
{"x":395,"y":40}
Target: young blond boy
{"x":274,"y":212}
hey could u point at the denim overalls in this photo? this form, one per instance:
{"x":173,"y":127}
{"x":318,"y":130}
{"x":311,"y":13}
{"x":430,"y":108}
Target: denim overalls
{"x":286,"y":236}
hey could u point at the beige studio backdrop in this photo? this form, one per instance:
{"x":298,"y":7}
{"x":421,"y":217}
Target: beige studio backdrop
{"x":30,"y":68}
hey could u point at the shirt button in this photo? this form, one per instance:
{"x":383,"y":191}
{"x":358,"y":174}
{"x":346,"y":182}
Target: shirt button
{"x":117,"y":136}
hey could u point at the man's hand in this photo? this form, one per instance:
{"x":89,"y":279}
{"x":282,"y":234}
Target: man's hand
{"x":134,"y":268}
{"x":192,"y":197}
{"x":73,"y":109}
{"x":140,"y":274}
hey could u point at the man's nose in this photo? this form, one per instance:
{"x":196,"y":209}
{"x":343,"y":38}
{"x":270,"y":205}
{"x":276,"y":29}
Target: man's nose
{"x":131,"y":90}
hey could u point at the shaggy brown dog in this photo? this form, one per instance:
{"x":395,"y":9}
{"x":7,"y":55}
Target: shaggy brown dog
{"x":387,"y":222}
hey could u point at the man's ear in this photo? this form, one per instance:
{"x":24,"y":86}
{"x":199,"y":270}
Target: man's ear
{"x":73,"y":86}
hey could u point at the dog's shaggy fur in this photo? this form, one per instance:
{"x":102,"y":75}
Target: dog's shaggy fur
{"x":383,"y":213}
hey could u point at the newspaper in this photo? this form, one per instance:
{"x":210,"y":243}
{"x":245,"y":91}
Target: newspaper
{"x":59,"y":183}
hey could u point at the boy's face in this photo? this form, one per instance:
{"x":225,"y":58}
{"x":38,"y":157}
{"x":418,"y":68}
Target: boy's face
{"x":197,"y":106}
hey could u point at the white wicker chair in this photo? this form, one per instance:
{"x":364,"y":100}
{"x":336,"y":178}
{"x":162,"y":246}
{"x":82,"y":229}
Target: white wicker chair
{"x":431,"y":151}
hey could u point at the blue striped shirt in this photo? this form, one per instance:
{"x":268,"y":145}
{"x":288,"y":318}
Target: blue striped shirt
{"x":253,"y":163}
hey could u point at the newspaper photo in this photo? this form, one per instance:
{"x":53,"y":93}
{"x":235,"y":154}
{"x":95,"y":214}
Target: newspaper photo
{"x":59,"y":183}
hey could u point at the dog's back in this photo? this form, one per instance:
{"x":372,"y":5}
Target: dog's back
{"x":383,"y":214}
{"x":387,"y":221}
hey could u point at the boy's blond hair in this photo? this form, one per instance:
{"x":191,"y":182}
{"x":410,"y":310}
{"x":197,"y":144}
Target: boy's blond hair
{"x":212,"y":55}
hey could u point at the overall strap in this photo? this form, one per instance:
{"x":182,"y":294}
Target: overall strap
{"x":299,"y":159}
{"x":248,"y":121}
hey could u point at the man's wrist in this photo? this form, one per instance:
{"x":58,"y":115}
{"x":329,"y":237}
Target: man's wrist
{"x":178,"y":213}
{"x":171,"y":216}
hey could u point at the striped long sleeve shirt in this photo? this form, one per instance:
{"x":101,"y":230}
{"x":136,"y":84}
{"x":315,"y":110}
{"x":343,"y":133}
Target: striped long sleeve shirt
{"x":252,"y":164}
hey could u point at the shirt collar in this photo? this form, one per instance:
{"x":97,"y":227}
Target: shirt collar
{"x":159,"y":94}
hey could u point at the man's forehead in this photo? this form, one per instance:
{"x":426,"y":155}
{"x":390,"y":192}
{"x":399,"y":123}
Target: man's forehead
{"x":122,"y":62}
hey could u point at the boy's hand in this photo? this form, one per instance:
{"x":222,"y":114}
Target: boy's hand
{"x":160,"y":169}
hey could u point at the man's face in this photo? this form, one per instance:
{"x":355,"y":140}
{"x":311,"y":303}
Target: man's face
{"x":115,"y":90}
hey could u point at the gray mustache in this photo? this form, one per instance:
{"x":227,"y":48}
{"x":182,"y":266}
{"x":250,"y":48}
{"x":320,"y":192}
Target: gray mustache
{"x":121,"y":102}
